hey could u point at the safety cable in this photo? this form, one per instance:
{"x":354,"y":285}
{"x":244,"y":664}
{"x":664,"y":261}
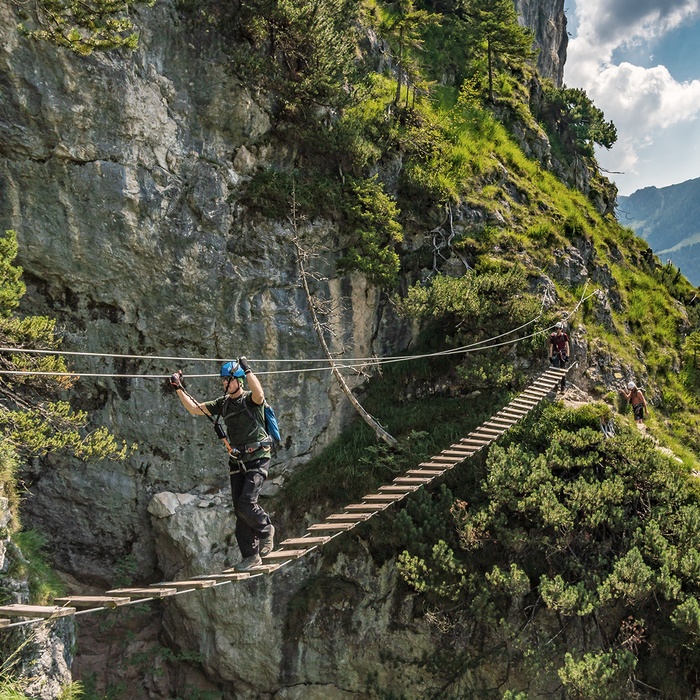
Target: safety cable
{"x":349,"y":363}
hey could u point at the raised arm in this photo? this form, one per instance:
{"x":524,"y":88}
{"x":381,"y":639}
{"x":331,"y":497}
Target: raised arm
{"x":254,"y":384}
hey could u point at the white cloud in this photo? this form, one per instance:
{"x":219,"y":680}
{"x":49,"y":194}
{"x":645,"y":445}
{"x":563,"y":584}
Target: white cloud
{"x":638,"y":99}
{"x":642,"y":102}
{"x":615,"y":22}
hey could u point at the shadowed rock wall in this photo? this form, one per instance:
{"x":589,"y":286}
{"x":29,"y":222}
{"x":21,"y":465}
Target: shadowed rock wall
{"x":121,"y":174}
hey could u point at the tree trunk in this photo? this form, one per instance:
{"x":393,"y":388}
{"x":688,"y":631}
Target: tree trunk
{"x":490,"y":60}
{"x":399,"y":70}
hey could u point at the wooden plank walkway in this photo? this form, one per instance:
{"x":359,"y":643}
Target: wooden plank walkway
{"x":317,"y":534}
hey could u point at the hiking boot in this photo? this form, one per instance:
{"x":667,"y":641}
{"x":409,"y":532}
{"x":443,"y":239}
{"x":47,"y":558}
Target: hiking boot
{"x":267,"y":543}
{"x":248,"y":563}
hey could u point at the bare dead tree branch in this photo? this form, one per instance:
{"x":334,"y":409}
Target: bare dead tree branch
{"x":314,"y":304}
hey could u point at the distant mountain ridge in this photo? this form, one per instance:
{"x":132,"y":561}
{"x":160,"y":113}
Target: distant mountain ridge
{"x":668,"y":218}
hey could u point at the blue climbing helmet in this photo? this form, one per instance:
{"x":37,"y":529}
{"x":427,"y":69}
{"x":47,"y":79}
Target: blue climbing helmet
{"x":232,"y":369}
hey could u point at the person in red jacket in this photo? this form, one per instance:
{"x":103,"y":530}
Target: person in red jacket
{"x":559,"y":349}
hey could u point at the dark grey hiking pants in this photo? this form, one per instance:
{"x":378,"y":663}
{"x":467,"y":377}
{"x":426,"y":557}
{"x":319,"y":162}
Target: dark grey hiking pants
{"x":252,"y":522}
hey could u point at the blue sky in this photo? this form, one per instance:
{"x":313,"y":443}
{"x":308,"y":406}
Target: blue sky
{"x":639,"y":61}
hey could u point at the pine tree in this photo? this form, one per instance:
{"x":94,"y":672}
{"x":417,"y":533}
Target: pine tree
{"x":32,"y":419}
{"x":496,"y":33}
{"x":403,"y":27}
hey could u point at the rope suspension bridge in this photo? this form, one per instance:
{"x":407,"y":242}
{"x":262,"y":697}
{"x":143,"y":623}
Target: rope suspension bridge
{"x":316,"y":535}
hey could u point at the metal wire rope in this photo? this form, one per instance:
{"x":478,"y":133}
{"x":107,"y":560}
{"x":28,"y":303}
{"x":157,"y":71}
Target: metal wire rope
{"x":351,"y":363}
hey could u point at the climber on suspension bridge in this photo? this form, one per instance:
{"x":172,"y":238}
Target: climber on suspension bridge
{"x":249,"y":448}
{"x":559,"y":349}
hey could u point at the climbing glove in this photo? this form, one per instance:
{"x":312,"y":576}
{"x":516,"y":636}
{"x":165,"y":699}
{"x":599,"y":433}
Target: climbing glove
{"x":176,"y":380}
{"x":243,"y":363}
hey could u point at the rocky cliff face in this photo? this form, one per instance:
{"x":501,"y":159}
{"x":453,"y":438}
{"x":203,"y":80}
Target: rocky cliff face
{"x":121,"y":174}
{"x":547,"y":20}
{"x":315,"y":629}
{"x":39,"y":656}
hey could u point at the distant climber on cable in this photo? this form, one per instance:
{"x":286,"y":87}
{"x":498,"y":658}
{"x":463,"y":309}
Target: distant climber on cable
{"x":636,"y":399}
{"x":559,"y":349}
{"x":249,"y":453}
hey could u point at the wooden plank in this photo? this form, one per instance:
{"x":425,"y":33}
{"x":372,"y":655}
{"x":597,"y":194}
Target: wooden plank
{"x":446,"y":457}
{"x":442,"y":464}
{"x":473,"y":439}
{"x":546,"y":385}
{"x":502,"y":424}
{"x":427,"y":472}
{"x":513,"y":412}
{"x":143,"y":592}
{"x":367,"y":507}
{"x":330,"y":527}
{"x":382,"y":497}
{"x":93,"y":601}
{"x":259,"y":569}
{"x":35,"y":611}
{"x":284,"y":554}
{"x":180,"y":585}
{"x":403,"y":488}
{"x":458,"y":452}
{"x":228,"y":575}
{"x":521,"y":403}
{"x":413,"y":479}
{"x":264,"y":568}
{"x":348,"y":517}
{"x":305,"y":542}
{"x":489,"y":431}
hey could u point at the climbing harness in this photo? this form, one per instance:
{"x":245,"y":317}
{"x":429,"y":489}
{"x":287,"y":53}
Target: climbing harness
{"x":218,"y":428}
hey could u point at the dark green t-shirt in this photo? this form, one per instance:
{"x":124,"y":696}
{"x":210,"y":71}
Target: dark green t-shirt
{"x":245,"y":421}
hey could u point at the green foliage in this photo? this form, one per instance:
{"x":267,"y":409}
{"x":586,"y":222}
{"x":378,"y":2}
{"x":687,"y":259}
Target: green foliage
{"x":84,"y":26}
{"x":12,"y":688}
{"x":72,"y":691}
{"x":271,"y":192}
{"x":404,"y":26}
{"x":374,"y":231}
{"x":599,"y":676}
{"x":602,"y":529}
{"x":302,"y":50}
{"x":30,"y":423}
{"x":30,"y":562}
{"x":570,"y":115}
{"x":11,"y":286}
{"x":473,"y":306}
{"x":495,"y":31}
{"x":440,"y":572}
